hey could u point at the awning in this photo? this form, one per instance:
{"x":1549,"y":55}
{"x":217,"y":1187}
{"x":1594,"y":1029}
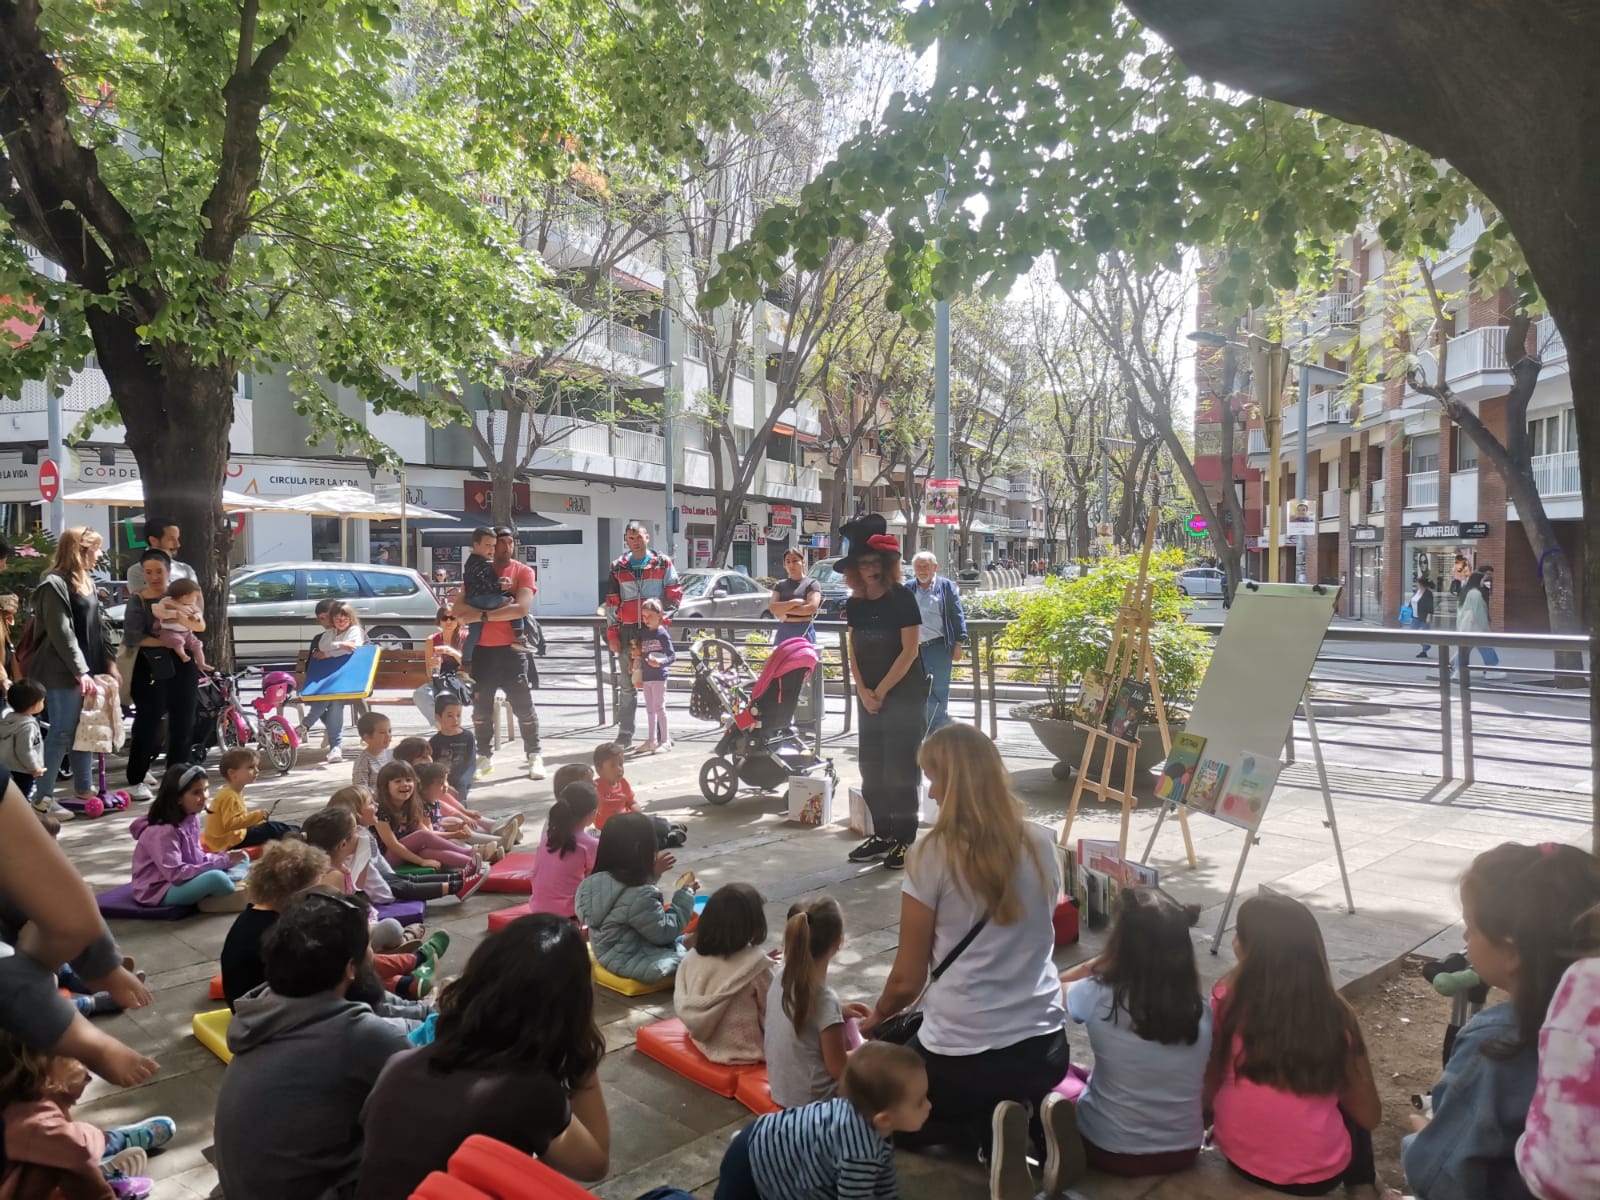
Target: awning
{"x":532,"y":530}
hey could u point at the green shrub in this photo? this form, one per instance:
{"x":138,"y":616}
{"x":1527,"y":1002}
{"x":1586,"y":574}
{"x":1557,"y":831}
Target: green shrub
{"x":993,"y":606}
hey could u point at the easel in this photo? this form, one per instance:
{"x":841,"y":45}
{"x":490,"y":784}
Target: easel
{"x":1128,"y":657}
{"x":1205,"y":721}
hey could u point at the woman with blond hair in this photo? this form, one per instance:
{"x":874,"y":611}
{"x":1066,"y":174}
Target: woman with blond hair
{"x":993,"y":1030}
{"x":69,"y":651}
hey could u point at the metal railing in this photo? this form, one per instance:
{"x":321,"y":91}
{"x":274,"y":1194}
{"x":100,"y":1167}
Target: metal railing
{"x":1422,"y":489}
{"x":1377,"y":495}
{"x":1557,"y":474}
{"x":1330,"y":503}
{"x":1476,"y":352}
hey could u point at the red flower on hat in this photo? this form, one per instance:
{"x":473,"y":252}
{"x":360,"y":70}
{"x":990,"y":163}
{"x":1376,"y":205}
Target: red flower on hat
{"x":884,"y":542}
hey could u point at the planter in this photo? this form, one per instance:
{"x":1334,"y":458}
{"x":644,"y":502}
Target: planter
{"x":1064,"y":741}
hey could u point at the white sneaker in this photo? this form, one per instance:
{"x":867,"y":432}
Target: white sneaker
{"x":139,"y":791}
{"x":335,"y":755}
{"x":536,"y":766}
{"x":485,"y":766}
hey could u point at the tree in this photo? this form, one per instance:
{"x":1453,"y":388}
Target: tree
{"x":261,"y":183}
{"x":992,"y":386}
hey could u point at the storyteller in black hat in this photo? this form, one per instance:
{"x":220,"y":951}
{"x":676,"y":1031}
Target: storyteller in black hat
{"x":891,"y":687}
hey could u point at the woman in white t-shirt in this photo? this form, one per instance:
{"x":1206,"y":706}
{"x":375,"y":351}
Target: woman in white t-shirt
{"x":993,"y":1031}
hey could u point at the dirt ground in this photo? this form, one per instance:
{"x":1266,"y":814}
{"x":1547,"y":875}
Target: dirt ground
{"x":1404,"y":1022}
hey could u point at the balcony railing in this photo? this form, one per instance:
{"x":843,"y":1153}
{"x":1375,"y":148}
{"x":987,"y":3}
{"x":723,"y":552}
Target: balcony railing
{"x":1330,"y":503}
{"x":625,"y":339}
{"x":1422,"y":489}
{"x":1377,"y":495}
{"x":1548,"y":343}
{"x":641,"y":447}
{"x":1476,"y":352}
{"x":1557,"y":474}
{"x":1022,"y":487}
{"x":1337,"y":308}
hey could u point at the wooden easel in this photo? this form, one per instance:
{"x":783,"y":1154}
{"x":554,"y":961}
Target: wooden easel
{"x":1128,"y":657}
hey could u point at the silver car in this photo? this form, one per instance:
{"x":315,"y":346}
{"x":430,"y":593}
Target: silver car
{"x":710,"y":596}
{"x":1201,"y":581}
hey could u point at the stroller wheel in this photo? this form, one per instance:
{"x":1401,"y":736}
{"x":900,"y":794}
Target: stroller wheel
{"x":719,"y":782}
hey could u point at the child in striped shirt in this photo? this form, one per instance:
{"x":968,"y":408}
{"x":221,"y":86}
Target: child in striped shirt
{"x":839,"y":1149}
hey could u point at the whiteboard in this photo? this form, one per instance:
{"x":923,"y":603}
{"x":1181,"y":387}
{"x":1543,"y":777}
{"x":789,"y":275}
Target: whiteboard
{"x":1259,"y":669}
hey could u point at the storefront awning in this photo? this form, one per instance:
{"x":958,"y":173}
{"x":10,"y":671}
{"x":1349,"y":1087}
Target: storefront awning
{"x":532,"y":530}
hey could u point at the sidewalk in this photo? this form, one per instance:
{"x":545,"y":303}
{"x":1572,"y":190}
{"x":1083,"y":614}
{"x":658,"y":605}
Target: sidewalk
{"x":1404,"y":847}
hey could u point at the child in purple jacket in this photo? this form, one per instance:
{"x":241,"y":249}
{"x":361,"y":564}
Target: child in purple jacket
{"x":169,"y":864}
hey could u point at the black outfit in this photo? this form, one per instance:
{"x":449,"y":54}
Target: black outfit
{"x":503,"y":669}
{"x":963,"y":1089}
{"x":890,"y":738}
{"x":90,"y":633}
{"x":243,"y":968}
{"x":458,"y":754}
{"x":173,"y":698}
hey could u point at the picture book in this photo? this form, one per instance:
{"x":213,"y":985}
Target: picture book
{"x":1178,"y":771}
{"x":1249,"y":788}
{"x":1101,"y":857}
{"x":1091,"y":700}
{"x":1126,"y":710}
{"x":1205,"y":791}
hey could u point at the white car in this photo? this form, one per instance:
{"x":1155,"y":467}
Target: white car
{"x":1203,"y":582}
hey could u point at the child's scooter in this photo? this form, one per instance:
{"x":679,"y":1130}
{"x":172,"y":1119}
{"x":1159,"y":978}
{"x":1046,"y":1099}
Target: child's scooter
{"x":102,"y":803}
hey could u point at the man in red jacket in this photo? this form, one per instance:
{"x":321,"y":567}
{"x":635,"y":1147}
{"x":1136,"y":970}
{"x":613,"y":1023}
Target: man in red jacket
{"x":640,"y":574}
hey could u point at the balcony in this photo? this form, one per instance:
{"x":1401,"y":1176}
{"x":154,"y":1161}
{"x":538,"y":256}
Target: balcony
{"x":791,"y":482}
{"x":1551,"y":348}
{"x":1023,"y":489}
{"x":1475,"y":365}
{"x":1330,"y":503}
{"x":583,"y":447}
{"x":617,"y":349}
{"x":694,"y":468}
{"x":1464,"y":496}
{"x":1376,"y":497}
{"x":1422,"y":489}
{"x":1336,"y":309}
{"x":1557,"y":474}
{"x":1256,"y":449}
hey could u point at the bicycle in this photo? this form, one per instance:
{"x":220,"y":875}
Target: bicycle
{"x":223,"y":721}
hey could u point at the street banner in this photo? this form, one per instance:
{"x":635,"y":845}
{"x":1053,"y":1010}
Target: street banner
{"x":943,"y":502}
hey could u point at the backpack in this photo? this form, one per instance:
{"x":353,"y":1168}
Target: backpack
{"x":23,"y":650}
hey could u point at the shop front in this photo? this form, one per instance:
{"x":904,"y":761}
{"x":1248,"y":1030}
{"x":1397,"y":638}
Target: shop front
{"x":1364,"y":592}
{"x":1431,"y":550}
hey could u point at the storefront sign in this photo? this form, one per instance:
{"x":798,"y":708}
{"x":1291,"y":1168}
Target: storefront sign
{"x":1365,"y":533}
{"x":698,"y":510}
{"x":549,"y":502}
{"x":1448,"y":531}
{"x":944,"y":502}
{"x":744,"y":533}
{"x":781,"y":514}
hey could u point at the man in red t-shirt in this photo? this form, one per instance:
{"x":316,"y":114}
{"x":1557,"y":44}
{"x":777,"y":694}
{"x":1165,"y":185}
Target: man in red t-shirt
{"x":500,"y":663}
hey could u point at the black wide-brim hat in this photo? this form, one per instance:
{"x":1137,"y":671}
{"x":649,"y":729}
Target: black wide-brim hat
{"x":860,"y":533}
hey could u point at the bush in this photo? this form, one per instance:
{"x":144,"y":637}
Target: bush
{"x":993,"y":606}
{"x":1064,"y":628}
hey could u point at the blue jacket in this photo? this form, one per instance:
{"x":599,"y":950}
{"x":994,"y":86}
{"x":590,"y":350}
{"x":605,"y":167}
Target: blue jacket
{"x":1467,"y":1152}
{"x":955,"y":621}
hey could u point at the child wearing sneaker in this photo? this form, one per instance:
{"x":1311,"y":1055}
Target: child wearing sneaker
{"x":656,"y":656}
{"x":616,"y":796}
{"x":375,"y":731}
{"x":21,"y":739}
{"x":417,"y":752}
{"x":447,"y":817}
{"x":229,"y":824}
{"x":380,"y":881}
{"x":808,"y":1032}
{"x":481,"y":588}
{"x":170,"y":866}
{"x":43,"y":1144}
{"x":404,"y":829}
{"x":343,"y":638}
{"x":566,"y":848}
{"x":842,"y":1147}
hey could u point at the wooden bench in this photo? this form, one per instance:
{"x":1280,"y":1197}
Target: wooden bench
{"x":403,"y":671}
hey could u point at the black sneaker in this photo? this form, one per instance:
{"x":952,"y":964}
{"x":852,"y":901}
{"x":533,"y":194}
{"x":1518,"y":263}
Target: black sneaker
{"x":871,"y":850}
{"x":895,"y":860}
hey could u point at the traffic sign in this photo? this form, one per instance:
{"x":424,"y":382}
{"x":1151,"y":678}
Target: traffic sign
{"x":49,"y":479}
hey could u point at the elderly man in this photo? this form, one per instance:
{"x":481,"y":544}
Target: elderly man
{"x":943,"y":634}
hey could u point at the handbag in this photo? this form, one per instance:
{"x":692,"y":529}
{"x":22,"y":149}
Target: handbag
{"x":903,"y":1026}
{"x":1407,"y":614}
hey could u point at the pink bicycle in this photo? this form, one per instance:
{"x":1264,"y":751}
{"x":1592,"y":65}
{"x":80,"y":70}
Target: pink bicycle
{"x":224,"y":722}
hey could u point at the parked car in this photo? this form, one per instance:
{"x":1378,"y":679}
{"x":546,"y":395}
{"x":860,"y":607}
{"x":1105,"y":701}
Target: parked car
{"x":835,"y":591}
{"x":278,"y":601}
{"x":712,"y":595}
{"x":1202,"y":582}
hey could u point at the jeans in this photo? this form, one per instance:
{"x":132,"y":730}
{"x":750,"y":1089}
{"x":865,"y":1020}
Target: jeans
{"x":331,"y":714}
{"x":736,"y":1181}
{"x":423,"y":699}
{"x":63,"y":708}
{"x":1422,"y":624}
{"x":627,"y":700}
{"x":794,"y":629}
{"x":203,"y":885}
{"x":266,"y":831}
{"x":888,"y":743}
{"x":1491,"y":658}
{"x":174,"y":699}
{"x":936,"y":657}
{"x":503,"y":669}
{"x":963,"y":1089}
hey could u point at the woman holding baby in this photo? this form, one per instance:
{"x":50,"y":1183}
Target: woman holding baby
{"x":166,"y":671}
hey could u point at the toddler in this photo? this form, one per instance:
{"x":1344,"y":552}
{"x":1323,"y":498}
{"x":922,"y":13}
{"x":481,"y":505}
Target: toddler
{"x":375,"y":732}
{"x":616,"y":796}
{"x":566,"y":850}
{"x":632,"y":931}
{"x":806,"y":1048}
{"x":721,"y":990}
{"x":181,"y":606}
{"x":43,"y":1142}
{"x":447,"y":816}
{"x":842,"y":1147}
{"x":229,"y":824}
{"x":453,"y":746}
{"x":483,"y":589}
{"x":285,"y":868}
{"x":656,"y":656}
{"x":373,"y":874}
{"x":21,"y":739}
{"x":413,"y":751}
{"x":405,"y":831}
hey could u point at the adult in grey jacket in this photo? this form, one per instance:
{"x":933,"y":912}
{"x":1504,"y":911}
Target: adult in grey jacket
{"x":69,"y":651}
{"x":288,"y":1118}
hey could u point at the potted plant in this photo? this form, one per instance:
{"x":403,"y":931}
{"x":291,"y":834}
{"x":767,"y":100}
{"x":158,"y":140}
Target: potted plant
{"x":1065,"y":628}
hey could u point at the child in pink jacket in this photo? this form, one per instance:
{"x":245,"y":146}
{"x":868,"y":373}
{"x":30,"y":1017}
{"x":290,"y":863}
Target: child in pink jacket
{"x":170,"y":866}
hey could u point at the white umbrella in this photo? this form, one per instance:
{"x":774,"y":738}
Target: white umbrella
{"x":131,"y":492}
{"x":353,"y":503}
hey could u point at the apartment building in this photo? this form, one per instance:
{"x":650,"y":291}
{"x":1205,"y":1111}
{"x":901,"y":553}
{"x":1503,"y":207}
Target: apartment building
{"x":1397,"y":488}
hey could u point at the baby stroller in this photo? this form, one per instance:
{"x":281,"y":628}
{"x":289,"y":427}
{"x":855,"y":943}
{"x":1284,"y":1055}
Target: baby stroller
{"x":759,"y":747}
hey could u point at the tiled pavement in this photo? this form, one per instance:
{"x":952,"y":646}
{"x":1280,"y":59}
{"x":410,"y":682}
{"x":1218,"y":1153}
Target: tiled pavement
{"x":1405,"y":846}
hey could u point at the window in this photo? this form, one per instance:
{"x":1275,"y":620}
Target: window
{"x":1423,"y":454}
{"x":1466,"y":452}
{"x":336,"y":585}
{"x":1554,"y":434}
{"x":738,"y":585}
{"x":388,"y":583}
{"x":269,"y":587}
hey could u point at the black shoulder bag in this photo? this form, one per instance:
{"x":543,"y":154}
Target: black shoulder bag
{"x":903,"y":1026}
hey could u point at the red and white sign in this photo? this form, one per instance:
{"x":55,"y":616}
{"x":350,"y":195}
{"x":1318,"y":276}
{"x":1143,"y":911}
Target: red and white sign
{"x":49,"y":479}
{"x":781,"y":514}
{"x":943,"y":502}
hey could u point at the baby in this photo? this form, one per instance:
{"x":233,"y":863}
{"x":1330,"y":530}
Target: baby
{"x":183,"y":602}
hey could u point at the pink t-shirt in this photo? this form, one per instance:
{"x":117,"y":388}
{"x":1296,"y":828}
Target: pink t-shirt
{"x":556,"y":876}
{"x":1559,"y":1152}
{"x":1272,"y":1133}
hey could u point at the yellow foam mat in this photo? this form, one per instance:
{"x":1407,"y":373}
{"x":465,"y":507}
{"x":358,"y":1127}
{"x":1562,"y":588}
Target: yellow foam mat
{"x":616,"y":983}
{"x":211,"y":1031}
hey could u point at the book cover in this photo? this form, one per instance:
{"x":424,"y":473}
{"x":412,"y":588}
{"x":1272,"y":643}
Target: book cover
{"x":1206,"y":789}
{"x":1178,"y":771}
{"x":1126,"y":710}
{"x":1091,"y":702}
{"x":1250,"y":785}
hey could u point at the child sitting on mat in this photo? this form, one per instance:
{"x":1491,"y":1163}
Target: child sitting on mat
{"x":285,"y":868}
{"x":566,"y":851}
{"x":842,"y":1147}
{"x":229,"y":824}
{"x":405,"y":831}
{"x":721,"y":990}
{"x":170,"y":866}
{"x":433,"y":785}
{"x":44,"y":1145}
{"x":381,"y":882}
{"x":633,"y":932}
{"x":616,"y":796}
{"x":418,"y":752}
{"x":809,"y":1032}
